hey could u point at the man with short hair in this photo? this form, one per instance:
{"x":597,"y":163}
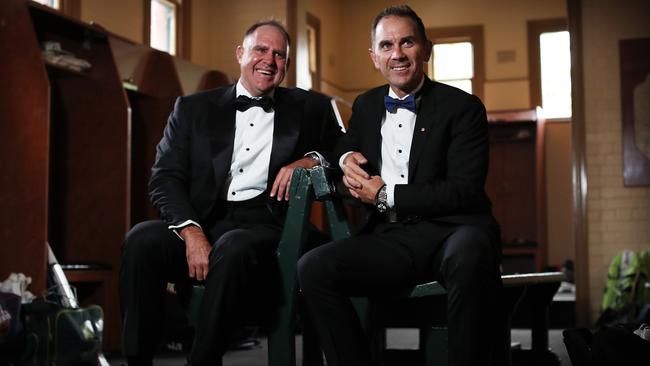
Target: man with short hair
{"x":222,"y":166}
{"x":416,"y":153}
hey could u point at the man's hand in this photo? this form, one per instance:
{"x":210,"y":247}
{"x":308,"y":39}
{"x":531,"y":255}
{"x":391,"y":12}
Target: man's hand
{"x":353,"y":174}
{"x":280,"y":188}
{"x":197,"y":251}
{"x":369,"y":188}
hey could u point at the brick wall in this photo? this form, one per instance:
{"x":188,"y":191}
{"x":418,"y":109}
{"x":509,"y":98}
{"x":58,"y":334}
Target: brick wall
{"x":618,"y":216}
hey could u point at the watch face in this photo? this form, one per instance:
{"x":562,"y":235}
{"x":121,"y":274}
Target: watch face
{"x":381,"y":207}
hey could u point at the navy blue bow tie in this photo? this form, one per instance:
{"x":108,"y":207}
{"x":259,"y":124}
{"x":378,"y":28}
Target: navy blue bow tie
{"x":243,"y":102}
{"x":392,"y":104}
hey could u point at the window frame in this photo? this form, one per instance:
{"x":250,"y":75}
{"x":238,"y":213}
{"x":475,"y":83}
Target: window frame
{"x":59,"y":8}
{"x":534,"y":29}
{"x":71,"y":8}
{"x":314,"y":23}
{"x":472,"y":34}
{"x":183,"y":26}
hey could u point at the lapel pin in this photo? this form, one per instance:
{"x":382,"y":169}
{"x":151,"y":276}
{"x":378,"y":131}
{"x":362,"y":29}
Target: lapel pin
{"x":423,"y":129}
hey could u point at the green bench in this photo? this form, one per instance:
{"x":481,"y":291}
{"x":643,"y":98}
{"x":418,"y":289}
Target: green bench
{"x":314,"y":184}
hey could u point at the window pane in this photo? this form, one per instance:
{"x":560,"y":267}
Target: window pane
{"x":311,"y":42}
{"x":163,"y":26}
{"x":556,"y":74}
{"x":453,"y":61}
{"x":51,"y":3}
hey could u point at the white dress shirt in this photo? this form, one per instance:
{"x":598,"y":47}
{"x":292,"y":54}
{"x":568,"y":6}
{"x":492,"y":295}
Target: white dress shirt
{"x":396,"y":137}
{"x":251,"y":155}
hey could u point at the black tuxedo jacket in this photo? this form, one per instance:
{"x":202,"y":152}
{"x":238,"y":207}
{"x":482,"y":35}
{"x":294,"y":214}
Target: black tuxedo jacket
{"x":194,"y":155}
{"x":448,"y":160}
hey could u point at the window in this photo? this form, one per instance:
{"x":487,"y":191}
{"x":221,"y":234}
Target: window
{"x":313,"y":42}
{"x":167,"y":26}
{"x":70,"y":8}
{"x":51,"y":3}
{"x":163,"y":28}
{"x":457,"y":57}
{"x":453,"y":64}
{"x":555,"y":59}
{"x":550,"y":67}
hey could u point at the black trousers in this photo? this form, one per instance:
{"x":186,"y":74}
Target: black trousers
{"x":464,"y":258}
{"x":242,"y":262}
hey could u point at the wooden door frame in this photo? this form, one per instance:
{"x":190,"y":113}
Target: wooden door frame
{"x":578,"y":147}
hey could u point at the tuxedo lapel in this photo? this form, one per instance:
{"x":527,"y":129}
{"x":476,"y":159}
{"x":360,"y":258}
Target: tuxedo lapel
{"x":285,"y":129}
{"x":221,"y":125}
{"x":376,"y":114}
{"x":423,"y":124}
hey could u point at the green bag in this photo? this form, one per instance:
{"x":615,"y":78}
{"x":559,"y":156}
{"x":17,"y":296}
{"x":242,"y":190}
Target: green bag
{"x":66,"y":337}
{"x":77,"y":336}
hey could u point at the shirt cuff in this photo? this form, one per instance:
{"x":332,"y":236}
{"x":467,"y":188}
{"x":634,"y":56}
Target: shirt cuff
{"x":182,"y":225}
{"x":323,"y":161}
{"x":343,"y":158}
{"x":390,"y":195}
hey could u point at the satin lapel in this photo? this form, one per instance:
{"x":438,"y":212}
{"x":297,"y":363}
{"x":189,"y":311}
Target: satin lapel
{"x":376,"y":114}
{"x":221,"y":125}
{"x":423,"y":123}
{"x":286,"y":128}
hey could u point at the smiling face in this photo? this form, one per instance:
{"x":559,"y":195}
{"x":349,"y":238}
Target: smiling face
{"x":399,"y":53}
{"x":263,"y":59}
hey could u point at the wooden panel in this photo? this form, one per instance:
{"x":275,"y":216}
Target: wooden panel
{"x":158,"y":88}
{"x":89,"y":153}
{"x":156,"y":75}
{"x":149,"y":115}
{"x":89,"y":146}
{"x":195,"y":78}
{"x":511,"y":180}
{"x":24,"y":101}
{"x":213,"y":79}
{"x":153,"y":87}
{"x":515,"y":184}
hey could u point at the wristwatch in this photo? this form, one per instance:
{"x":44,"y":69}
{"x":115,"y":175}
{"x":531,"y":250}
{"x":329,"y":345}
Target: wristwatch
{"x":314,"y":157}
{"x":381,"y":201}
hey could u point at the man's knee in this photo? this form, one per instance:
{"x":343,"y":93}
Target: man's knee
{"x":468,"y":253}
{"x":468,"y":244}
{"x":241,"y":246}
{"x":312,"y":268}
{"x":143,"y":237}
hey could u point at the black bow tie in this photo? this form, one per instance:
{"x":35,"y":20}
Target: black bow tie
{"x":243,"y":102}
{"x":392,"y":103}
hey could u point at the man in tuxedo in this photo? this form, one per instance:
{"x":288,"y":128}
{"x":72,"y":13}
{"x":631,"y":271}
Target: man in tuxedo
{"x":416,"y":153}
{"x":222,"y":168}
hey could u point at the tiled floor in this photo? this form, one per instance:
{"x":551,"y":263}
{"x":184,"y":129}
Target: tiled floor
{"x":396,"y":339}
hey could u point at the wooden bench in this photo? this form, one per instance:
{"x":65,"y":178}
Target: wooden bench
{"x":314,"y":184}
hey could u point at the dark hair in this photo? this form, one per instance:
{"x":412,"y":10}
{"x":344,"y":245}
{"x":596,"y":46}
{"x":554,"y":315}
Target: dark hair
{"x":271,"y":22}
{"x":399,"y":11}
